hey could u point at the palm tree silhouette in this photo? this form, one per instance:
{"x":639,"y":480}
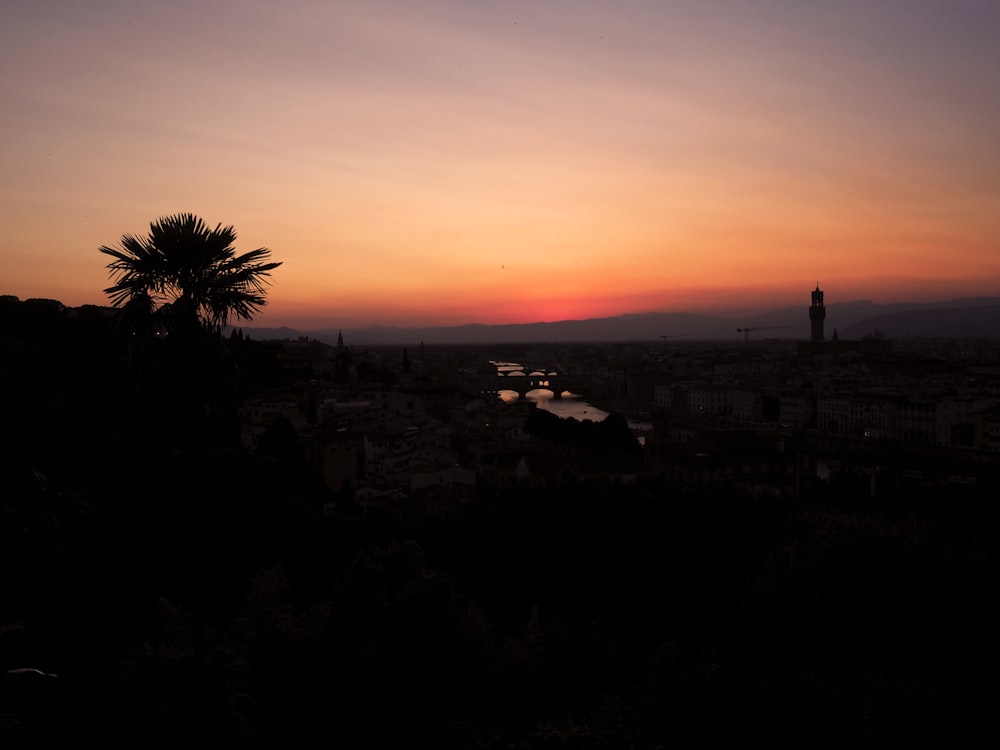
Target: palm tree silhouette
{"x":184,"y":276}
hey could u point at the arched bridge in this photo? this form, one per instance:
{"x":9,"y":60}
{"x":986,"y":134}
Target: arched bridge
{"x":529,"y":378}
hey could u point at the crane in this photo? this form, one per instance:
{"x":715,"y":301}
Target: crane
{"x":746,"y":331}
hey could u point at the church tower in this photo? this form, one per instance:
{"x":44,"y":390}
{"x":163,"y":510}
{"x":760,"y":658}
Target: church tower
{"x":817,"y":314}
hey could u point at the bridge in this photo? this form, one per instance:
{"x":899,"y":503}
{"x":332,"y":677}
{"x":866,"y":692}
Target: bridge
{"x":524,"y":379}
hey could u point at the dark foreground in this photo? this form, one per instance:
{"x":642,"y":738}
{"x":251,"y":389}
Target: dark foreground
{"x":161,"y":587}
{"x":585,"y":616}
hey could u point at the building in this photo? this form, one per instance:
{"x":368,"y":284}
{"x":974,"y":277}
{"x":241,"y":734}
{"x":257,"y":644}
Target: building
{"x":817,"y":314}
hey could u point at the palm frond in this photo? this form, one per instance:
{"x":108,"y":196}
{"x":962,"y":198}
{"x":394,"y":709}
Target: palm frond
{"x":190,"y":270}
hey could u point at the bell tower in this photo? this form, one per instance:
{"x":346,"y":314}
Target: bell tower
{"x":817,"y":314}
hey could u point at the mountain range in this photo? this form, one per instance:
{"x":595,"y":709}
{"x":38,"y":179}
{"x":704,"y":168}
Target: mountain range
{"x":973,"y":317}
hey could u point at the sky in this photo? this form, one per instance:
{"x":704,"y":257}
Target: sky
{"x":445,"y":162}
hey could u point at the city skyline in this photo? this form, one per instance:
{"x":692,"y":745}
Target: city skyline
{"x":442,"y":163}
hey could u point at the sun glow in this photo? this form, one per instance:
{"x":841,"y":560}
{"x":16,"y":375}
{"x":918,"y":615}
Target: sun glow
{"x":441,"y":165}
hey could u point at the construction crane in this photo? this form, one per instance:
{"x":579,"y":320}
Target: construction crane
{"x":746,"y":331}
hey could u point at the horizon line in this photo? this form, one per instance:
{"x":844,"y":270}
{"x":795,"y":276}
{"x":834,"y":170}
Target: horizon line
{"x":724,"y":313}
{"x":721,"y":314}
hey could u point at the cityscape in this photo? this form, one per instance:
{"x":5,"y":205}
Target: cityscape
{"x":551,"y":544}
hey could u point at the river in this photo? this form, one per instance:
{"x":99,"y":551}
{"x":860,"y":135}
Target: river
{"x":569,"y":405}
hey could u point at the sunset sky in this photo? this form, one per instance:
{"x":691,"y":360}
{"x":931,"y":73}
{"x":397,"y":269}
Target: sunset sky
{"x":438,"y":162}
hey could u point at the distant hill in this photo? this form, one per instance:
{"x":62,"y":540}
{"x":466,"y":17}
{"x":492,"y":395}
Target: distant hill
{"x":852,"y":320}
{"x":649,"y":326}
{"x":974,"y":317}
{"x":958,"y":322}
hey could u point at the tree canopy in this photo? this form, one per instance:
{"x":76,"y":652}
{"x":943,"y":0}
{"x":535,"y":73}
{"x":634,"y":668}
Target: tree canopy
{"x":183,"y":273}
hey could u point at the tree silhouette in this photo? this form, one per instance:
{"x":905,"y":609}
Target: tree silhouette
{"x":178,"y":287}
{"x":184,"y":275}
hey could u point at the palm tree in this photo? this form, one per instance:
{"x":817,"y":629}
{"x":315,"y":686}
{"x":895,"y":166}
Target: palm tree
{"x":186,"y":280}
{"x":185,"y":275}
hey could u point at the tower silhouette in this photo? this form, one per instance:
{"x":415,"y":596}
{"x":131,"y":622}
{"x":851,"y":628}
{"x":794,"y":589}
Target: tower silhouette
{"x":817,"y":314}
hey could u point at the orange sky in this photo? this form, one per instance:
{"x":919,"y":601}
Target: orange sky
{"x":418,"y":163}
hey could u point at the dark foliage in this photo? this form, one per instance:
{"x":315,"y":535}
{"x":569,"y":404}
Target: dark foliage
{"x":610,"y":436}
